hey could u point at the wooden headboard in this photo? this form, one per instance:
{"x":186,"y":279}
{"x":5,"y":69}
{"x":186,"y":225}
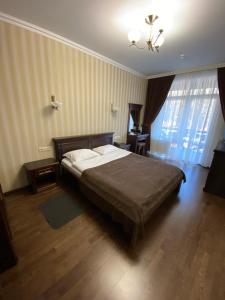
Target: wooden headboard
{"x":66,"y":144}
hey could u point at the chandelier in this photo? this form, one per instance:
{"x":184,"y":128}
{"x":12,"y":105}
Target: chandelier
{"x":154,"y":37}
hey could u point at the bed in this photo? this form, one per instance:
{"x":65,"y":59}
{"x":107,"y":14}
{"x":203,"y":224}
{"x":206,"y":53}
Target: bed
{"x":127,"y":186}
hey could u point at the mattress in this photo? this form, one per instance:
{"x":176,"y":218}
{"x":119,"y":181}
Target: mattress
{"x":66,"y":163}
{"x":77,"y":168}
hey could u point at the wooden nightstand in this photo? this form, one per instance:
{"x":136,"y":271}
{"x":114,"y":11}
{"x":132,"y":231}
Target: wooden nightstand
{"x":122,"y":146}
{"x":42,"y":174}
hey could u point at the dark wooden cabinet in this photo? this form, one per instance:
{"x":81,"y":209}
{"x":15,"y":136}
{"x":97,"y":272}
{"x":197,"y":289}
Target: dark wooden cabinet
{"x":42,"y":174}
{"x":215,"y":183}
{"x":7,"y":256}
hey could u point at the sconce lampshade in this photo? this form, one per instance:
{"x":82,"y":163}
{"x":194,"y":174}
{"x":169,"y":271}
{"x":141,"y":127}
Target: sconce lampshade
{"x":54,"y":103}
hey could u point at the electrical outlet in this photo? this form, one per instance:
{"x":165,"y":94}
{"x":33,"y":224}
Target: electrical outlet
{"x":45,"y":148}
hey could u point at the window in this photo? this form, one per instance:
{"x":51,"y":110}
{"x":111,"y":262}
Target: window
{"x":190,"y":121}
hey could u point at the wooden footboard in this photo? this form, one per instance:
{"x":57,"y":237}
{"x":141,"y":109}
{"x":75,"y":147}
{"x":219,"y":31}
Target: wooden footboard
{"x":131,"y":229}
{"x":116,"y":215}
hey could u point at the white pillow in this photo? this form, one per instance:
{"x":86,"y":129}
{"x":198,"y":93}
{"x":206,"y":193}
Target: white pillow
{"x":105,"y":149}
{"x":79,"y":155}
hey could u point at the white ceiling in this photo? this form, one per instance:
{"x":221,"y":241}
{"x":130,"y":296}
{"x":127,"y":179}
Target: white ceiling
{"x":194,"y":28}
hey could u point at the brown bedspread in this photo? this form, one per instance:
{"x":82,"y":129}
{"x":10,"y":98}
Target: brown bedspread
{"x":135,"y":185}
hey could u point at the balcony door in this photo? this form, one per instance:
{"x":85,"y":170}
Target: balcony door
{"x":190,"y":122}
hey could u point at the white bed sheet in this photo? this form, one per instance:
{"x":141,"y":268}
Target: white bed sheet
{"x":78,"y":167}
{"x":68,"y":165}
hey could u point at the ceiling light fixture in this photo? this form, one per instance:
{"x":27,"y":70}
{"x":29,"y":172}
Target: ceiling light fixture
{"x":182,"y":56}
{"x":154,"y":38}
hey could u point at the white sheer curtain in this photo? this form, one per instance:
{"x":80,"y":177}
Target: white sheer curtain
{"x":190,"y":122}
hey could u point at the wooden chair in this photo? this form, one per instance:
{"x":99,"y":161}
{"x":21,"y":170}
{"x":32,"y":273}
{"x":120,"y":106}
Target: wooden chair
{"x":140,"y":148}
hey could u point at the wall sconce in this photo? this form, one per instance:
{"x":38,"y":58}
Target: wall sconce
{"x":55,"y":104}
{"x":114,"y":108}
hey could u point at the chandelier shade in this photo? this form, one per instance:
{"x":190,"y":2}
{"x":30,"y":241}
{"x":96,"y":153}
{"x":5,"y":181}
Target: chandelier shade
{"x":134,"y":36}
{"x":153,"y":35}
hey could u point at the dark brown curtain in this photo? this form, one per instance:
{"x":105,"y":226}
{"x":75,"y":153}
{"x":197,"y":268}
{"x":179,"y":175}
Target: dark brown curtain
{"x":221,"y":85}
{"x":157,"y":92}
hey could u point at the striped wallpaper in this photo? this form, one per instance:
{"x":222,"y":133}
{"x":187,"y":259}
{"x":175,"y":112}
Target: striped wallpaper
{"x":34,"y":67}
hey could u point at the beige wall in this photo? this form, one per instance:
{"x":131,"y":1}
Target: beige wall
{"x":32,"y":68}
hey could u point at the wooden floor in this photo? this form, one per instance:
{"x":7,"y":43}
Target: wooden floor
{"x":182,"y":256}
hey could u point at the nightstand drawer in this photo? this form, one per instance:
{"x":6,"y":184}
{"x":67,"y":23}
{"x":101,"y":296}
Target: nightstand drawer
{"x":45,"y":171}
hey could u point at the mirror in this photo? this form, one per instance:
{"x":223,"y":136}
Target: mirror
{"x":134,"y":113}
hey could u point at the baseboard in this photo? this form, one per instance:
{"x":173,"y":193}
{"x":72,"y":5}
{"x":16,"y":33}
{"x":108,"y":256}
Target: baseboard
{"x":16,"y":190}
